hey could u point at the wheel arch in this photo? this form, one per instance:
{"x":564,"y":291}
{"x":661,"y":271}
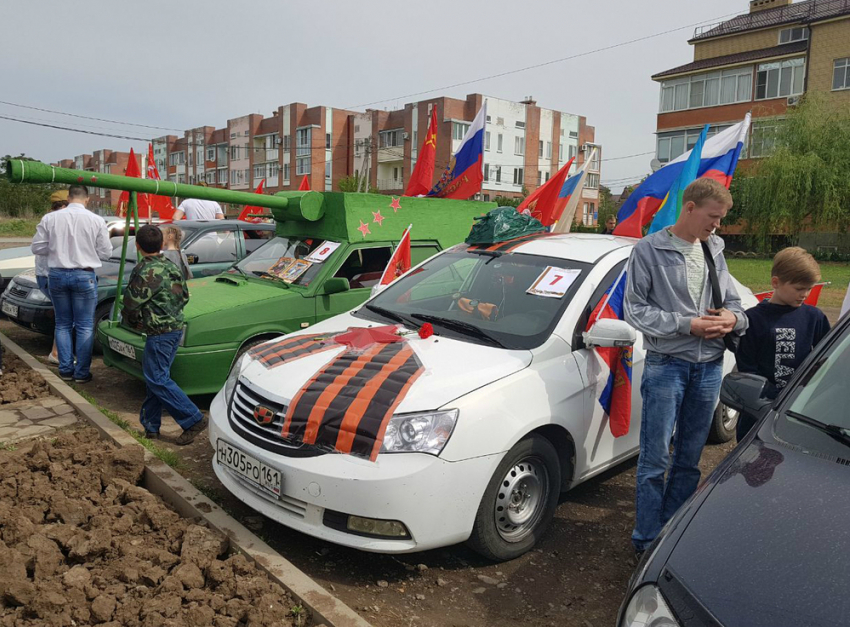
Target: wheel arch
{"x":564,"y":444}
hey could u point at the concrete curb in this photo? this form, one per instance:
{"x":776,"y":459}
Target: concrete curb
{"x":175,"y":490}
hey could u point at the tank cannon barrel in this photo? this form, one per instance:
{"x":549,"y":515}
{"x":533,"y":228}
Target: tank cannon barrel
{"x":288,"y":205}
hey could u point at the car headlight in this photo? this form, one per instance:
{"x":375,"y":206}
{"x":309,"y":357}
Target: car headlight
{"x":37,"y":296}
{"x":233,"y":377}
{"x":419,"y":433}
{"x":9,"y":286}
{"x":647,"y":608}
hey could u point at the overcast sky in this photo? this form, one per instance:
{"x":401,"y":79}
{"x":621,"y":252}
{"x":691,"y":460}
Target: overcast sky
{"x":187,"y":63}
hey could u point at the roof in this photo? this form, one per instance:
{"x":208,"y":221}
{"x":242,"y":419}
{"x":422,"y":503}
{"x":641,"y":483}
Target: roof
{"x":799,"y":12}
{"x":734,"y":59}
{"x":582,"y":247}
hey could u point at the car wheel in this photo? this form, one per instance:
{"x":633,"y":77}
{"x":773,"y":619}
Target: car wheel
{"x":519,"y":501}
{"x":103,"y":311}
{"x":723,"y":425}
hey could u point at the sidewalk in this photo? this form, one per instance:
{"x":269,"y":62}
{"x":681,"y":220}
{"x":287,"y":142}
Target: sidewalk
{"x":15,"y":240}
{"x":27,"y":419}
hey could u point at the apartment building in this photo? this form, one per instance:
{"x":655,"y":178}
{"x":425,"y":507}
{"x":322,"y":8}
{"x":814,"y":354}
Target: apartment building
{"x":524,"y":146}
{"x":762,"y":62}
{"x":106,"y":162}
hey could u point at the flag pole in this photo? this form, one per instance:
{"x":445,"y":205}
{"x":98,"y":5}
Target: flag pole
{"x":611,"y":291}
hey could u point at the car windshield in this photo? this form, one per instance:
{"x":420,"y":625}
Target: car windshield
{"x":821,"y":394}
{"x":512,"y":300}
{"x":276,"y":260}
{"x":117,"y":242}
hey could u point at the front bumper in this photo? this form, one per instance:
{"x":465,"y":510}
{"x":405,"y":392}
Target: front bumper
{"x":196,"y":369}
{"x":38,"y":318}
{"x":435,"y":499}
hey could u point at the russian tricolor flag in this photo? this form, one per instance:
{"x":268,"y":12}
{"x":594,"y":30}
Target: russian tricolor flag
{"x":719,"y":160}
{"x":570,"y":193}
{"x":616,"y":397}
{"x":465,"y":173}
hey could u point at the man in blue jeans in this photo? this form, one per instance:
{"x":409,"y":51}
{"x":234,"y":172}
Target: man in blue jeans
{"x":669,"y":299}
{"x":153,"y":305}
{"x":75,"y":241}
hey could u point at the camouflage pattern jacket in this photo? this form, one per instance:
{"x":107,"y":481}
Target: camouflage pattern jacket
{"x":155,"y":297}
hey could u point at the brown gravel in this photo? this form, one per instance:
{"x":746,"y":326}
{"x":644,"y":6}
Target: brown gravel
{"x":82,"y":544}
{"x":19,"y":382}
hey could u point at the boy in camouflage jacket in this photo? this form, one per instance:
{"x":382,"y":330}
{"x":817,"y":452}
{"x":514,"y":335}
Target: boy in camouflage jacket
{"x":153,"y":304}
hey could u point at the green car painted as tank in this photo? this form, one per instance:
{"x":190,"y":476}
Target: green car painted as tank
{"x":342,"y":250}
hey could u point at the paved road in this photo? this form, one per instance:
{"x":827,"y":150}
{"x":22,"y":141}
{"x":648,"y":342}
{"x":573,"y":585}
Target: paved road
{"x":5,"y":242}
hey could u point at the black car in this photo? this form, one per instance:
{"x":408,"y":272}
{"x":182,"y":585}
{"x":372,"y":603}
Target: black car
{"x":210,"y":246}
{"x":765,"y":541}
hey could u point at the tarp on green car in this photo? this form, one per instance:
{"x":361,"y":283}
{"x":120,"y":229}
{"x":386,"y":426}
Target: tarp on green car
{"x":503,"y":224}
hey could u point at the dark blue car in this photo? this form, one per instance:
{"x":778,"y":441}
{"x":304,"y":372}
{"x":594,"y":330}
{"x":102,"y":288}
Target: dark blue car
{"x":765,"y":541}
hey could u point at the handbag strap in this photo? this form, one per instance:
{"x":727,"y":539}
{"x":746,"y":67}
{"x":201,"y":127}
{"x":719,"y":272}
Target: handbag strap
{"x":716,"y":295}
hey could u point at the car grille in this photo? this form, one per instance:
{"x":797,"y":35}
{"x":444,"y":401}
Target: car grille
{"x":20,"y":292}
{"x":267,"y":437}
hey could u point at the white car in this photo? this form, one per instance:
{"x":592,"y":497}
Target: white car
{"x":504,"y":414}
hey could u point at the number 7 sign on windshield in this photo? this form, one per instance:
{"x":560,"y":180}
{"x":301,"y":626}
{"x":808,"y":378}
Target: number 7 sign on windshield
{"x":554,"y":282}
{"x":322,"y":252}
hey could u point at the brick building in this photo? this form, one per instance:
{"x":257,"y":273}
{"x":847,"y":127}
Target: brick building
{"x":762,"y":61}
{"x":524,"y":146}
{"x":106,"y":162}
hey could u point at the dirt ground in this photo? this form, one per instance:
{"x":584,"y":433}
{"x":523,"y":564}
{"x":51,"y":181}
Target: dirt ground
{"x":576,"y":576}
{"x":83,"y":545}
{"x":19,"y":382}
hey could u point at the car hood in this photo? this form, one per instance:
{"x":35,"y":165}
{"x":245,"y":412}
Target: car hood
{"x":13,"y":260}
{"x":770,"y":545}
{"x":211,"y":294}
{"x":452,"y":368}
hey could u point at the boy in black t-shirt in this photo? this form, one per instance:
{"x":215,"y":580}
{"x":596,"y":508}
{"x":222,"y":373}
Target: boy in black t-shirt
{"x":783,"y":330}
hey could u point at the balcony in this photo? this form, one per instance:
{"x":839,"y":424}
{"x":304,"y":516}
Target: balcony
{"x":390,"y":184}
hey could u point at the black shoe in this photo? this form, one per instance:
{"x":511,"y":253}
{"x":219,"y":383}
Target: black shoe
{"x":188,"y":436}
{"x":151,"y":435}
{"x":66,"y":377}
{"x":85,"y":379}
{"x":639,"y":555}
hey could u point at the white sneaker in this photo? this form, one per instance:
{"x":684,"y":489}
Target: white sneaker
{"x":52,"y":359}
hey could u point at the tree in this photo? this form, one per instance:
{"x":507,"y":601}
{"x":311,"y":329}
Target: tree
{"x":504,"y":201}
{"x":21,"y":200}
{"x":607,"y":206}
{"x":353,"y":183}
{"x":804,"y":181}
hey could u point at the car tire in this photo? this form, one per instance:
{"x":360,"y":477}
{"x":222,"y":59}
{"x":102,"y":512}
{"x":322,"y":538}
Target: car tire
{"x":723,"y":424}
{"x":527,"y":481}
{"x":103,"y":311}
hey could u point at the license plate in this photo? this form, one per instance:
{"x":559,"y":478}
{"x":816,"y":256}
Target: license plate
{"x":122,"y":348}
{"x":248,"y":467}
{"x":9,"y":309}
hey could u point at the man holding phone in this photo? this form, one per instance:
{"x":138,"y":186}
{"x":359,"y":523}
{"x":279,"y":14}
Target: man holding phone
{"x":680,"y":295}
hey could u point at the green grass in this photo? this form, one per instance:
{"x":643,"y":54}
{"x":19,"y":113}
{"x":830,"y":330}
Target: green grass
{"x":18,"y":227}
{"x":755,"y":274}
{"x":7,"y":446}
{"x":169,"y":457}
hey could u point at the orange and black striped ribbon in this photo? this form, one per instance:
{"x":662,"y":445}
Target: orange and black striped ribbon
{"x":290,"y":348}
{"x":510,"y":245}
{"x":348,"y":403}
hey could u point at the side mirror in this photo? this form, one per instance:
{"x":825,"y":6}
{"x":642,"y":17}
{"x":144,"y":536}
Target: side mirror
{"x":744,"y":392}
{"x":192,"y":259}
{"x":610,"y":333}
{"x":335,"y":285}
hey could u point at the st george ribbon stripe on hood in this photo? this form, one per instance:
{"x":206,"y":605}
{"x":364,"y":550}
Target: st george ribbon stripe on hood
{"x":511,"y":244}
{"x":290,"y":349}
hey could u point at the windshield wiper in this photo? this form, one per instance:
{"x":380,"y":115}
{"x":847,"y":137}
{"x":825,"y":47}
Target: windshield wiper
{"x":834,"y":431}
{"x":461,"y":327}
{"x":386,"y":313}
{"x":269,"y":275}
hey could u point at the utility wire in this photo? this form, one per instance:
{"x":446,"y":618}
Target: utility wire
{"x":75,"y":130}
{"x":86,"y":117}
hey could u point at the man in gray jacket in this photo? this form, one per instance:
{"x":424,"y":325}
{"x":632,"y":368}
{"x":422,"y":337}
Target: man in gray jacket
{"x":669,"y":300}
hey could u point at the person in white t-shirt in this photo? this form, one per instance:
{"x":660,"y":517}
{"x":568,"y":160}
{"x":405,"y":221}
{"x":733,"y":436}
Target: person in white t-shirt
{"x":195,"y":209}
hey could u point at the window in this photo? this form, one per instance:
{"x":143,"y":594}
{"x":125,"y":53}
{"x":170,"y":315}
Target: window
{"x":592,"y":181}
{"x":487,"y":140}
{"x":287,"y":142}
{"x":780,"y":79}
{"x":181,"y":179}
{"x":573,"y":151}
{"x":327,"y":141}
{"x":211,"y":154}
{"x":519,"y":145}
{"x":390,"y":139}
{"x":286,"y":171}
{"x":498,"y":174}
{"x":327,"y":170}
{"x":302,"y":142}
{"x":302,"y":166}
{"x":364,"y":266}
{"x":234,"y":152}
{"x":233,"y":136}
{"x":574,"y":134}
{"x":672,"y":145}
{"x":256,"y":238}
{"x":214,"y":247}
{"x":520,"y":124}
{"x":518,"y":176}
{"x":707,"y":90}
{"x":548,"y":150}
{"x":547,"y":176}
{"x":762,"y":139}
{"x":176,"y":158}
{"x":459,"y":130}
{"x":560,"y":152}
{"x":540,"y":150}
{"x":486,"y":172}
{"x":594,"y":164}
{"x":500,"y":121}
{"x":274,"y":170}
{"x":210,"y":177}
{"x":222,"y":177}
{"x":499,"y":142}
{"x":841,"y":74}
{"x":797,"y":33}
{"x":259,"y":171}
{"x":395,"y":174}
{"x":539,"y":177}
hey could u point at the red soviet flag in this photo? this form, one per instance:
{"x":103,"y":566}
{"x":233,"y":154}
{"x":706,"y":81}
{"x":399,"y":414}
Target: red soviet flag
{"x":420,"y":182}
{"x":249,"y":209}
{"x":305,"y":185}
{"x":124,"y":199}
{"x":545,"y":203}
{"x":161,"y":204}
{"x":400,"y":261}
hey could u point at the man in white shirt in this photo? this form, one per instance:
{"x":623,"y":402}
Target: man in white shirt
{"x":195,"y":209}
{"x":74,"y":240}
